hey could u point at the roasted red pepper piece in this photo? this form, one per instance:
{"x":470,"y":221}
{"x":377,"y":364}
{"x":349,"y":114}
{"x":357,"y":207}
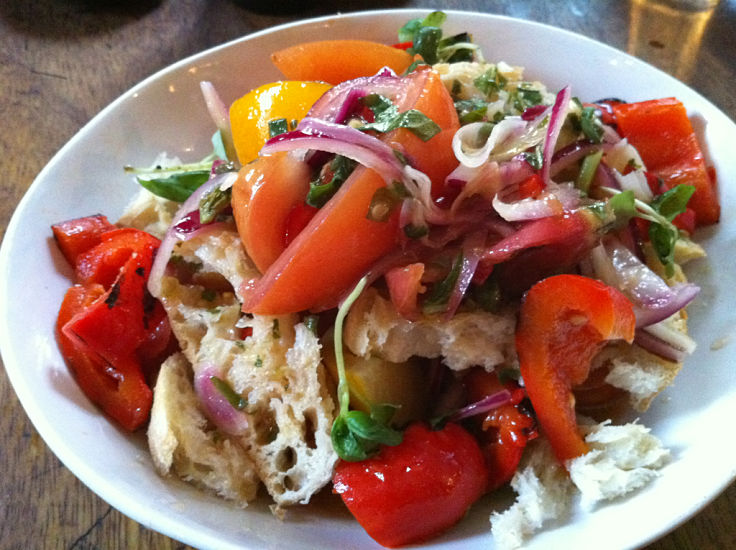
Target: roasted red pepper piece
{"x":417,"y":489}
{"x":662,"y":133}
{"x":102,"y":263}
{"x":114,"y":327}
{"x":120,"y":390}
{"x":564,"y":321}
{"x":504,"y":432}
{"x":79,"y":235}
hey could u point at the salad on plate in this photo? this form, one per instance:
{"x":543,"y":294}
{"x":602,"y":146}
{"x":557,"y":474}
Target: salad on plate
{"x":407,"y":275}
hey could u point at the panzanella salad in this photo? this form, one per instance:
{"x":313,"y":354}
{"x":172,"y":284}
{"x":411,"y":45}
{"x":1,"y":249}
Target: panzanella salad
{"x":406,"y":275}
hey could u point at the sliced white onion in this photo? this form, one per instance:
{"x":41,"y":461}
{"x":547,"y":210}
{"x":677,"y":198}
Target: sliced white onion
{"x":622,"y":154}
{"x":553,"y":201}
{"x":636,"y":182}
{"x":465,"y":140}
{"x":672,"y":336}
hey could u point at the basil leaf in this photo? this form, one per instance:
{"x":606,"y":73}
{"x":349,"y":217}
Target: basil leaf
{"x":346,"y":443}
{"x":471,"y":110}
{"x":673,"y":202}
{"x":333,"y":175}
{"x":409,"y":30}
{"x":373,"y":432}
{"x":535,"y":158}
{"x":435,"y":19}
{"x":426,"y":44}
{"x":525,"y":96}
{"x":235,"y":399}
{"x":438,"y":297}
{"x":491,"y":82}
{"x":176,"y":187}
{"x":387,"y":118}
{"x":213,"y":203}
{"x":456,"y":47}
{"x":383,"y":413}
{"x":664,"y":236}
{"x":623,"y":206}
{"x":590,"y":123}
{"x":277,"y":126}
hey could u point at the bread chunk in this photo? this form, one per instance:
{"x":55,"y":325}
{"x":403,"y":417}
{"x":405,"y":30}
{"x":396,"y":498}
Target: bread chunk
{"x":374,"y":327}
{"x":183,"y":442}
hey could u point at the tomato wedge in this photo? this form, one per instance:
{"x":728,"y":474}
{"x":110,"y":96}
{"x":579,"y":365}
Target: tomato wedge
{"x":340,"y":243}
{"x":335,"y":61}
{"x":564,"y":321}
{"x":417,"y":489}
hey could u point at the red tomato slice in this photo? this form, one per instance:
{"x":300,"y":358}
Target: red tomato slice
{"x":340,"y":243}
{"x":564,"y":321}
{"x":415,"y":490}
{"x":404,"y":286}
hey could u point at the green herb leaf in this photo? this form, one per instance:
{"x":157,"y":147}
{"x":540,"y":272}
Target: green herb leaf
{"x":590,"y":123}
{"x":535,"y":158}
{"x":235,"y":399}
{"x":370,"y":430}
{"x":209,"y":294}
{"x":491,"y":82}
{"x":623,"y":206}
{"x":312,"y":323}
{"x":213,"y":203}
{"x":439,"y":295}
{"x":387,"y":118}
{"x":427,"y":42}
{"x":332,"y":176}
{"x":526,"y":96}
{"x":673,"y":202}
{"x":346,"y":444}
{"x":663,"y":236}
{"x":383,"y":203}
{"x":176,"y":187}
{"x":587,"y":171}
{"x":277,"y":126}
{"x":487,"y":295}
{"x":471,"y":110}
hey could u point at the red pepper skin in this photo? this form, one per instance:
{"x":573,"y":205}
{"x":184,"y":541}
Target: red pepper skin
{"x":110,"y":330}
{"x":564,"y":321}
{"x":662,"y":133}
{"x":504,"y":432}
{"x":102,"y":263}
{"x":120,"y":390}
{"x":79,"y":235}
{"x":417,"y":489}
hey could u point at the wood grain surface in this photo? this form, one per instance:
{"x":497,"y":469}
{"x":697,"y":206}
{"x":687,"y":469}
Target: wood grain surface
{"x":62,"y":61}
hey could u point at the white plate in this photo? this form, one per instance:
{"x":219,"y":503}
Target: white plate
{"x":166,"y":112}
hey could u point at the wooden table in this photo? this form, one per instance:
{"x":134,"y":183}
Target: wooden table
{"x":63,"y":61}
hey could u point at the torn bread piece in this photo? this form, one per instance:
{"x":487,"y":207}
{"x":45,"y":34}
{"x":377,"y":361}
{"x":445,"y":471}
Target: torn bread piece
{"x":184,"y":443}
{"x":276,"y":368}
{"x":621,"y":459}
{"x":374,"y":327}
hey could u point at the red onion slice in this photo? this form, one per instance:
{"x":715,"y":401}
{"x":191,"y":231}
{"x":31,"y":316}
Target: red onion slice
{"x":172,"y":237}
{"x":653,"y":299}
{"x":472,"y":251}
{"x":557,"y":119}
{"x":220,"y":117}
{"x":554,"y":201}
{"x":486,"y":404}
{"x":340,"y":102}
{"x":313,"y":134}
{"x":216,"y":406}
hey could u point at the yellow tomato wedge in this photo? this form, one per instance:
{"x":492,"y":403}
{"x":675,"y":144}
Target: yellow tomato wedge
{"x":250,"y":115}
